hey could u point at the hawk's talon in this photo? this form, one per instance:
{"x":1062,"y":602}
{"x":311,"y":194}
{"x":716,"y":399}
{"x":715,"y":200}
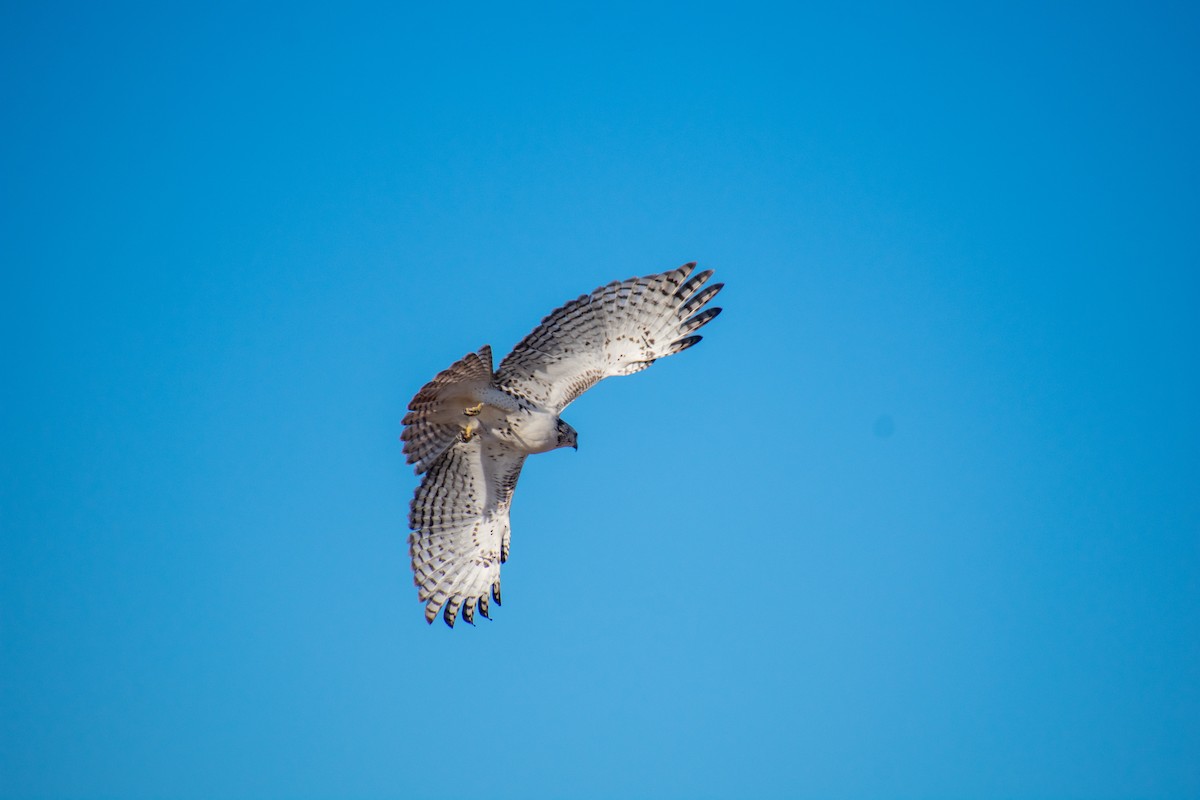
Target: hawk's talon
{"x":468,"y":431}
{"x":473,"y":411}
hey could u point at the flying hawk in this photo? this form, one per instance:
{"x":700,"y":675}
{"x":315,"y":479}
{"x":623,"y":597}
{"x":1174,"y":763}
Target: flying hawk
{"x":470,"y":429}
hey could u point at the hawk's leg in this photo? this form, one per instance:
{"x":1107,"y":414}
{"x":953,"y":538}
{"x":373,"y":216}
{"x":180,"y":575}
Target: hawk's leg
{"x":470,"y":429}
{"x":473,"y":411}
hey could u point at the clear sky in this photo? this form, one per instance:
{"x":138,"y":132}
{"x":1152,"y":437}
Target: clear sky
{"x":919,"y":518}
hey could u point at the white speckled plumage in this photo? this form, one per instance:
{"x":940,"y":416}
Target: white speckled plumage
{"x":470,"y":430}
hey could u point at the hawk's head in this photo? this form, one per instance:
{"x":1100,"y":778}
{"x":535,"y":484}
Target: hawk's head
{"x":567,"y":437}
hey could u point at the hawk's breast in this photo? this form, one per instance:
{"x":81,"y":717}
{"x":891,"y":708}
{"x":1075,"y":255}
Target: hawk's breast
{"x":530,"y":430}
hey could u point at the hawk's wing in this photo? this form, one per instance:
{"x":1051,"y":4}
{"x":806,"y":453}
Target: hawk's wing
{"x":618,"y":329}
{"x":459,"y":519}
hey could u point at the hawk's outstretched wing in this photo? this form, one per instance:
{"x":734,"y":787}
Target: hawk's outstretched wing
{"x":459,"y":519}
{"x":618,"y":329}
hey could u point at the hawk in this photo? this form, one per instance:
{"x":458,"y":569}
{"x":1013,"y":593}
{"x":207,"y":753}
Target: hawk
{"x":470,"y":429}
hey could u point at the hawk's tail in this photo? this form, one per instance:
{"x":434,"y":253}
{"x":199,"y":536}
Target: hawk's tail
{"x":437,"y":414}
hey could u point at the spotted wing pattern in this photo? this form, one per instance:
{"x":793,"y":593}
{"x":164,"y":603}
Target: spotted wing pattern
{"x":460,"y":530}
{"x":618,"y":329}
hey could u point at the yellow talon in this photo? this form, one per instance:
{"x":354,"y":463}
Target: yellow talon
{"x":468,"y":431}
{"x":473,"y":411}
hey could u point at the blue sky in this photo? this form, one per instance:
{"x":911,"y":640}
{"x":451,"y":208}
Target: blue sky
{"x":919,"y":518}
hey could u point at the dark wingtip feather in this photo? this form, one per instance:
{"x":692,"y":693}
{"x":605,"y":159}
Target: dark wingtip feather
{"x":679,"y":274}
{"x":699,"y":320}
{"x":699,"y":299}
{"x":693,"y":283}
{"x":684,"y":343}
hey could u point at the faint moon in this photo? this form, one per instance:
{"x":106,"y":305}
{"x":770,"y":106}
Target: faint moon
{"x":884,"y":427}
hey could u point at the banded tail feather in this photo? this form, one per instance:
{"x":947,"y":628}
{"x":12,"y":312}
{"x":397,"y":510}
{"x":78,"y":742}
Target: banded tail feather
{"x":435,"y":415}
